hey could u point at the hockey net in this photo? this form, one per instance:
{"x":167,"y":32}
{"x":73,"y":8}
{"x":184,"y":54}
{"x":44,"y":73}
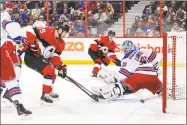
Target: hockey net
{"x":174,"y":72}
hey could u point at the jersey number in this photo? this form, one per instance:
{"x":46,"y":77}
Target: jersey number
{"x":140,"y":58}
{"x":42,"y":30}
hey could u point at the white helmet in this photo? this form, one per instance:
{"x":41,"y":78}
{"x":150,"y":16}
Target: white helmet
{"x":39,"y":24}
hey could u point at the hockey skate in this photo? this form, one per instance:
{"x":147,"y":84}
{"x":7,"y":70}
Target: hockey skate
{"x":21,"y":109}
{"x":94,"y":74}
{"x":1,"y":90}
{"x":7,"y":96}
{"x":54,"y":96}
{"x":46,"y":99}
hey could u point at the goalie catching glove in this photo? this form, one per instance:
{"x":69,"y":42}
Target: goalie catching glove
{"x":62,"y":71}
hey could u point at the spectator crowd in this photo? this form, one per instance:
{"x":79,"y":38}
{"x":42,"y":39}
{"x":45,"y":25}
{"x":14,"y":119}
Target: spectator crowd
{"x":100,"y":15}
{"x":173,"y":19}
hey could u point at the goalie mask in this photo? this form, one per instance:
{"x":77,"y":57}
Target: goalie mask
{"x":127,"y":46}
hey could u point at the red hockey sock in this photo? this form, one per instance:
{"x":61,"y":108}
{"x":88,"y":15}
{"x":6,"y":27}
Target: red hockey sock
{"x":96,"y":69}
{"x":47,"y":89}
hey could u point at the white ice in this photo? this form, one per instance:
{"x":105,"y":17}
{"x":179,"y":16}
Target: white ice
{"x":77,"y":108}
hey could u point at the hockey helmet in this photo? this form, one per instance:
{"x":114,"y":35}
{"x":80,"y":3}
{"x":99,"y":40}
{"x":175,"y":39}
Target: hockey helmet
{"x":111,"y":32}
{"x":63,"y":25}
{"x":127,"y":46}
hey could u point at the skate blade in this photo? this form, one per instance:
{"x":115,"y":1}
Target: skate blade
{"x":43,"y":103}
{"x":55,"y":99}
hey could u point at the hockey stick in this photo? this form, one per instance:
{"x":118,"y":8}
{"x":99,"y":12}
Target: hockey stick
{"x":90,"y":94}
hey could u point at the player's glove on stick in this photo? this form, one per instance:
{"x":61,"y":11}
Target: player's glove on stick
{"x":103,"y":51}
{"x":100,"y":53}
{"x":62,"y":72}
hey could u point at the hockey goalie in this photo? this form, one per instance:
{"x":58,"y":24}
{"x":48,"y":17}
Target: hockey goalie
{"x":139,"y":70}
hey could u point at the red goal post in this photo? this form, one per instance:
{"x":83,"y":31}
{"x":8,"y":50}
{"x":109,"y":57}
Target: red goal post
{"x":178,"y":59}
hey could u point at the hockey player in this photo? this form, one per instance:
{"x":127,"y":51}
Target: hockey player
{"x":45,"y":45}
{"x":139,"y":70}
{"x":102,"y":52}
{"x":13,"y":45}
{"x":8,"y":76}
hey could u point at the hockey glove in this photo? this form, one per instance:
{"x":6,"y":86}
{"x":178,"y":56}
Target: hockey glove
{"x":157,"y":68}
{"x":117,"y":62}
{"x":103,"y":51}
{"x":100,"y":53}
{"x":62,"y":72}
{"x":34,"y":47}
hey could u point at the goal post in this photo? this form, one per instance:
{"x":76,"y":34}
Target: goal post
{"x":164,"y":89}
{"x":174,"y":73}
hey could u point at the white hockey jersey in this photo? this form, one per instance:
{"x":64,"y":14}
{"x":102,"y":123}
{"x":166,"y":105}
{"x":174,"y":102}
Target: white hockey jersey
{"x":138,"y":61}
{"x":9,"y":29}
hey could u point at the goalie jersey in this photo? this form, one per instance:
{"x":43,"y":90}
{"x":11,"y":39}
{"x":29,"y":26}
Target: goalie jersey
{"x":138,"y":61}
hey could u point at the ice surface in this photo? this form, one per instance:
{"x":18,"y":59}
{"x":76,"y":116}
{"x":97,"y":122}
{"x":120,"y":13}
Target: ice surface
{"x":76,"y":107}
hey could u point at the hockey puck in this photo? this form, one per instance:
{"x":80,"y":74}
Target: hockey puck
{"x":142,"y":101}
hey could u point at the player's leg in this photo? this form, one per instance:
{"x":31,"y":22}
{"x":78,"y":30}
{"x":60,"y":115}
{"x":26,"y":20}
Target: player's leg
{"x":3,"y":88}
{"x":115,"y":60}
{"x":48,"y":72}
{"x":49,"y":78}
{"x":4,"y":91}
{"x":16,"y":60}
{"x":143,"y":81}
{"x":106,"y":61}
{"x":8,"y":78}
{"x":53,"y":95}
{"x":131,"y":85}
{"x":97,"y":60}
{"x":112,"y":91}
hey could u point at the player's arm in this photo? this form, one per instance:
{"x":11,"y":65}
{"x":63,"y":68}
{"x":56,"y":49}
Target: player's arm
{"x":99,"y":47}
{"x":112,"y":55}
{"x":154,"y":60}
{"x":55,"y":59}
{"x":100,"y":41}
{"x":57,"y":62}
{"x":125,"y":71}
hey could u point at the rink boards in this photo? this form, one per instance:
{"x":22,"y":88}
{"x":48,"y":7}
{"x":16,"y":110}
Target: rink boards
{"x":76,"y":49}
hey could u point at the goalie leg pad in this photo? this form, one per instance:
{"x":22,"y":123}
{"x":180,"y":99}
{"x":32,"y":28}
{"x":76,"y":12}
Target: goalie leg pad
{"x":114,"y":91}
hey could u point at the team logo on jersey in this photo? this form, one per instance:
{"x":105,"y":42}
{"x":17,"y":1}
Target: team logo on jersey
{"x":124,"y":64}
